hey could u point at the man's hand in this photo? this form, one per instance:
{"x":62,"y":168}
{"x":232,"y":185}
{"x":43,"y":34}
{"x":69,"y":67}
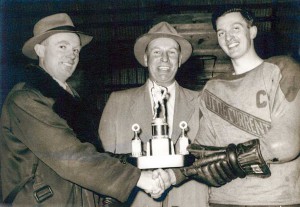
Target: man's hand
{"x":151,"y":183}
{"x":217,"y":166}
{"x":166,"y":177}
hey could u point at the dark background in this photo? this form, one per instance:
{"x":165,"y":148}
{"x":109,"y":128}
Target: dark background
{"x":108,"y":63}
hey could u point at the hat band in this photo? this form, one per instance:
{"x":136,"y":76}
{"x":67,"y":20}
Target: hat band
{"x":69,"y":28}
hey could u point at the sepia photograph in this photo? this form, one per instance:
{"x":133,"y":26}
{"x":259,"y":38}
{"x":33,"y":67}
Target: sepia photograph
{"x":150,"y":103}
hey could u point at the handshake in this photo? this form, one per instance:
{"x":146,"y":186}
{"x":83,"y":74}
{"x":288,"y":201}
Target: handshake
{"x":152,"y":182}
{"x":156,"y":182}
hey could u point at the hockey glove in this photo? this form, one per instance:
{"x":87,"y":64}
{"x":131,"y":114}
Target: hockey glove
{"x":216,"y":166}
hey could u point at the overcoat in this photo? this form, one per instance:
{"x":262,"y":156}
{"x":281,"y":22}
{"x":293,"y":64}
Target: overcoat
{"x":127,"y":107}
{"x":44,"y":133}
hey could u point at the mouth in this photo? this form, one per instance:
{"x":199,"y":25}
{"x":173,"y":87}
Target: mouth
{"x":67,"y":64}
{"x":163,"y":68}
{"x":232,"y":45}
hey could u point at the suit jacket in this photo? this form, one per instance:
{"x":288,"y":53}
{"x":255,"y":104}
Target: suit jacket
{"x":42,"y":124}
{"x":125,"y":108}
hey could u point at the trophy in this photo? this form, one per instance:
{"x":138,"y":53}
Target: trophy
{"x":160,"y":151}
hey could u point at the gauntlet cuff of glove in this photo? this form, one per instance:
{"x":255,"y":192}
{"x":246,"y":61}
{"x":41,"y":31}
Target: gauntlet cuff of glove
{"x":250,"y":159}
{"x":180,"y":175}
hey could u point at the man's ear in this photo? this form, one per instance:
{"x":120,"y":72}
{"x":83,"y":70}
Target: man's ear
{"x":146,"y":60}
{"x":39,"y":50}
{"x":179,"y":61}
{"x":253,"y":32}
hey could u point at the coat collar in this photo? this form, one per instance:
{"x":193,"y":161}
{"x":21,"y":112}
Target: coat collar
{"x":72,"y":109}
{"x":37,"y":78}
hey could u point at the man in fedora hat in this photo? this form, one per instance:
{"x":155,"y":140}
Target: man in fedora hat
{"x":45,"y":158}
{"x":162,"y":50}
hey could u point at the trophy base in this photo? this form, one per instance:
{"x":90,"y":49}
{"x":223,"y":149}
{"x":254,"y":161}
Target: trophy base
{"x":162,"y":161}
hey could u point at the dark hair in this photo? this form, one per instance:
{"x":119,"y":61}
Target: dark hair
{"x":225,"y":9}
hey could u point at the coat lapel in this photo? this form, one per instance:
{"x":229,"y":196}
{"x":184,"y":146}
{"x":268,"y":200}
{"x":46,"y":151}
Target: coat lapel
{"x":141,"y":112}
{"x":184,"y":110}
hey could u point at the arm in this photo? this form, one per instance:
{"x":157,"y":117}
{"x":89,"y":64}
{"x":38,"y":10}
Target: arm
{"x":282,"y":142}
{"x":52,"y":141}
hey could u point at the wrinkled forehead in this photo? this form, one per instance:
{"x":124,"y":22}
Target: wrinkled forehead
{"x":163,"y":42}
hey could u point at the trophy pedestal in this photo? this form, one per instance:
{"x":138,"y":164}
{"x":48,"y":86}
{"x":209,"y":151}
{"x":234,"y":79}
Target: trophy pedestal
{"x":162,"y":161}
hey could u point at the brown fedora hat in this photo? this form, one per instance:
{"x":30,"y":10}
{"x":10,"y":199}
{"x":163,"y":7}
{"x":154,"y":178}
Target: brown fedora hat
{"x":44,"y":28}
{"x":162,"y":29}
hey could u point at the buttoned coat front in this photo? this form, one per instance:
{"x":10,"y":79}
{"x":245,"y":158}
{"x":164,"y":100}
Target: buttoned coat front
{"x":125,"y":108}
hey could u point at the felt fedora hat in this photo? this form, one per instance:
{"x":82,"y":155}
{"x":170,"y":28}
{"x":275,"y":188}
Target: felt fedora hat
{"x":44,"y":28}
{"x":162,"y":29}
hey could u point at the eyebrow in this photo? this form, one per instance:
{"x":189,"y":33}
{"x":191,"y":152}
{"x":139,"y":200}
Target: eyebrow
{"x":63,"y":41}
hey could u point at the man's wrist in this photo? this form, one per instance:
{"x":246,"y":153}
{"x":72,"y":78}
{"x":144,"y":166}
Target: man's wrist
{"x":141,"y":182}
{"x":180,"y":177}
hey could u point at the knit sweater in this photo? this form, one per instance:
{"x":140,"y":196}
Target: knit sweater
{"x":260,"y":104}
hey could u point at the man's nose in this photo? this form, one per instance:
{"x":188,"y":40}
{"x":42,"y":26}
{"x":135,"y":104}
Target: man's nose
{"x":72,"y":54}
{"x":164,"y":57}
{"x":228,"y":35}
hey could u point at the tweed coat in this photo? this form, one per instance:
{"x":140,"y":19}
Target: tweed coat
{"x":124,"y":108}
{"x":42,"y":124}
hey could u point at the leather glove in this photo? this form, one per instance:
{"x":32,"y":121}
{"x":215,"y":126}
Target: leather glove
{"x":216,"y":166}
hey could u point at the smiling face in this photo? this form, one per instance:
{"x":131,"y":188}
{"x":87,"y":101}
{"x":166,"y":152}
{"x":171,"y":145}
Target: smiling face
{"x":59,"y":55}
{"x":163,"y":59}
{"x":235,"y":36}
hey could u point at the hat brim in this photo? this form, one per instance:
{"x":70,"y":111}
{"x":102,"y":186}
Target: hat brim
{"x":28,"y":47}
{"x":142,"y":43}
